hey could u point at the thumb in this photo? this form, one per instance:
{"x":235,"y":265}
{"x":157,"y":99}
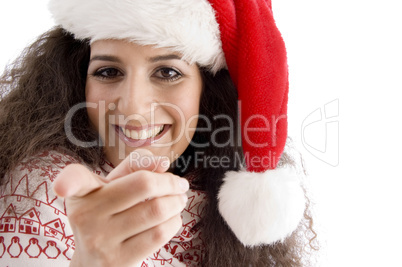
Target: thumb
{"x":75,"y":180}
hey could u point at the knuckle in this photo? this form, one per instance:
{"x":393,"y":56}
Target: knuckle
{"x":160,"y":234}
{"x":164,"y":232}
{"x":177,"y":222}
{"x":172,"y":181}
{"x":93,"y":243}
{"x":157,"y":209}
{"x":145,"y":182}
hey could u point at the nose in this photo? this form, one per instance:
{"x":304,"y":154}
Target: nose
{"x":136,"y":97}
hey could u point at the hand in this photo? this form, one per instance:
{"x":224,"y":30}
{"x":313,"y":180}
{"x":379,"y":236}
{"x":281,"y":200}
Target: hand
{"x":113,"y":225}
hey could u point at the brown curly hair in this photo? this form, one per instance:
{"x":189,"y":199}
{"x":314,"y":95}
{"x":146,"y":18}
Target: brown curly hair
{"x":39,"y":89}
{"x":36,"y":93}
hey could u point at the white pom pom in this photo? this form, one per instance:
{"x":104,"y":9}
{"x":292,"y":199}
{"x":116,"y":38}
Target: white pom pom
{"x":261,"y":208}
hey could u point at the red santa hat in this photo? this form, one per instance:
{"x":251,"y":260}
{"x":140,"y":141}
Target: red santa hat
{"x":263,"y":203}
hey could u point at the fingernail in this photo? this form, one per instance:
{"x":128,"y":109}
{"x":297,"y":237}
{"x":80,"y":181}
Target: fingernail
{"x":184,"y":185}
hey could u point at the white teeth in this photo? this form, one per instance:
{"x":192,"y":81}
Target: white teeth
{"x":143,"y":134}
{"x":126,"y":132}
{"x":134,"y":134}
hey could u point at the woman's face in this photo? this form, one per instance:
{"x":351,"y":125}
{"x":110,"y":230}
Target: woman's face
{"x":141,"y":97}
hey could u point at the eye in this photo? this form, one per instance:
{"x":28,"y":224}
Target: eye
{"x":108,"y":73}
{"x":168,"y":74}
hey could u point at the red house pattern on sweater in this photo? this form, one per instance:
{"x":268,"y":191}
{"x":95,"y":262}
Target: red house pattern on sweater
{"x":33,"y":225}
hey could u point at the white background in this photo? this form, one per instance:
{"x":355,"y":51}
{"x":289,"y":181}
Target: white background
{"x":345,"y":60}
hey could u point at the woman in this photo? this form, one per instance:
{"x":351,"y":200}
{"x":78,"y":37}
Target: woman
{"x":130,"y":105}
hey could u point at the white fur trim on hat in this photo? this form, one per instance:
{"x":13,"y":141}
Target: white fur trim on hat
{"x":262,"y":208}
{"x":186,"y":26}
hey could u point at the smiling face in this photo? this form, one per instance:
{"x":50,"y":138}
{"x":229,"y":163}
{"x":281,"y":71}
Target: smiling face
{"x":141,"y":96}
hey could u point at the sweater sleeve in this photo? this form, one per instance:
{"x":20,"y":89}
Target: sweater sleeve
{"x":34,"y":229}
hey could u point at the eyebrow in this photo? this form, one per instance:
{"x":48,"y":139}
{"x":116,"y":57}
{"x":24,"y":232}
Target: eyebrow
{"x":105,"y":58}
{"x":164,"y":57}
{"x":150,"y":59}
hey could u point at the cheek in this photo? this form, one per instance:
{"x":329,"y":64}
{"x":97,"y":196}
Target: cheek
{"x":191,"y":113}
{"x":95,"y":106}
{"x":190,"y":110}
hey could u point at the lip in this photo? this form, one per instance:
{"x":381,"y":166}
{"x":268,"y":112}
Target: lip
{"x":141,"y":142}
